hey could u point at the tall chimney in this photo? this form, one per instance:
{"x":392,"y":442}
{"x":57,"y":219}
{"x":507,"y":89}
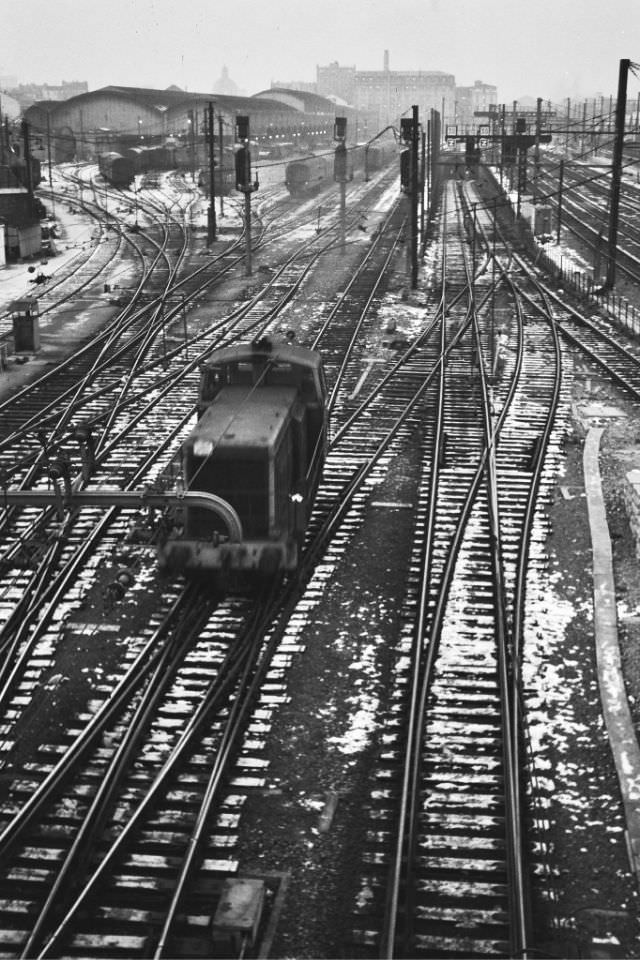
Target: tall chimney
{"x":386,"y":61}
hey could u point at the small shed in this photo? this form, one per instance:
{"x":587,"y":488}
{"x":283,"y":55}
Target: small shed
{"x":25,"y":314}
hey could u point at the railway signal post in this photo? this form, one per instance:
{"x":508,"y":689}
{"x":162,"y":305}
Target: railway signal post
{"x":221,"y":142}
{"x":192,"y":143}
{"x":616,"y":169}
{"x":243,"y":180}
{"x":340,"y":172}
{"x":410,"y":134}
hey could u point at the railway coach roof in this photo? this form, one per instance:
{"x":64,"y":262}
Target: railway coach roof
{"x":285,"y":101}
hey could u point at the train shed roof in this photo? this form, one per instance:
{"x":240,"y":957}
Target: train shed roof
{"x":302,"y":100}
{"x":173,"y":99}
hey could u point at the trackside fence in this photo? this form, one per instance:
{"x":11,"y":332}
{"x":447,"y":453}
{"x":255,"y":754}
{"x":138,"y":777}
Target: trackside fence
{"x":564,"y":272}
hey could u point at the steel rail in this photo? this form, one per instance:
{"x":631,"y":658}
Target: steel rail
{"x":106,"y":714}
{"x":388,"y":944}
{"x":342,"y":506}
{"x":282,"y":300}
{"x":511,"y":646}
{"x":72,"y":868}
{"x":521,"y":740}
{"x":407,"y":812}
{"x":44,"y":601}
{"x":600,"y":334}
{"x":519,"y":927}
{"x":173,"y":312}
{"x":185,"y":370}
{"x":292,"y":591}
{"x":238,"y":670}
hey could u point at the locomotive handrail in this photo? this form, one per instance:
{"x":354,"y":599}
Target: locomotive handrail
{"x":128,"y":498}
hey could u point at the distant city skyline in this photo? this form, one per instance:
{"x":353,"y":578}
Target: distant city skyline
{"x":553,"y":49}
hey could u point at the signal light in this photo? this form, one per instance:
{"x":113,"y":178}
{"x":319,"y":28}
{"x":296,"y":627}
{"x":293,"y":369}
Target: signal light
{"x":242,"y":128}
{"x":243,"y":168}
{"x":472,"y":152}
{"x":340,"y":128}
{"x":509,"y":151}
{"x":405,"y":171}
{"x":406,"y":129}
{"x":340,"y":164}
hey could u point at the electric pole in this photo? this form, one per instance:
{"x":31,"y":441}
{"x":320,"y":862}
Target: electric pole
{"x":409,"y":177}
{"x":616,"y":171}
{"x":211,"y":214}
{"x":423,"y":165}
{"x":192,"y":143}
{"x":220,"y":141}
{"x":415,"y":135}
{"x":536,"y":155}
{"x":53,"y":201}
{"x":560,"y":189}
{"x":27,"y":158}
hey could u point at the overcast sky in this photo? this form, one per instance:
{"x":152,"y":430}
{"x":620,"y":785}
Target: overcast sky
{"x":540,"y":48}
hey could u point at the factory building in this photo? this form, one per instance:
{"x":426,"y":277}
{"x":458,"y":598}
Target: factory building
{"x":471,"y":100}
{"x":9,"y":106}
{"x":337,"y":81}
{"x":381,"y":97}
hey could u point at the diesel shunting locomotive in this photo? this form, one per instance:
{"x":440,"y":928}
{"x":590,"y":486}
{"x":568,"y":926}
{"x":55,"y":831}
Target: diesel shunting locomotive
{"x":259,"y":446}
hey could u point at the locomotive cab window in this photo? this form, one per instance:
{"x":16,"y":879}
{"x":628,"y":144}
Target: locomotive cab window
{"x":280,"y":375}
{"x":308,"y":386}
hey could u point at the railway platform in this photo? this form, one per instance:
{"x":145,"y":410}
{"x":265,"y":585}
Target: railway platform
{"x":615,"y":705}
{"x":69,"y":326}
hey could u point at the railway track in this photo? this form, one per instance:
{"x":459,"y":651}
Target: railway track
{"x":585,"y":201}
{"x":458,"y":882}
{"x":446,"y":863}
{"x":41,"y":925}
{"x":150,"y":805}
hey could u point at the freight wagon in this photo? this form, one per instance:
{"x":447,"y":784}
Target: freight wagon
{"x":116,"y":169}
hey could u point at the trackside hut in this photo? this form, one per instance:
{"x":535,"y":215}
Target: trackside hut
{"x":20,"y":213}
